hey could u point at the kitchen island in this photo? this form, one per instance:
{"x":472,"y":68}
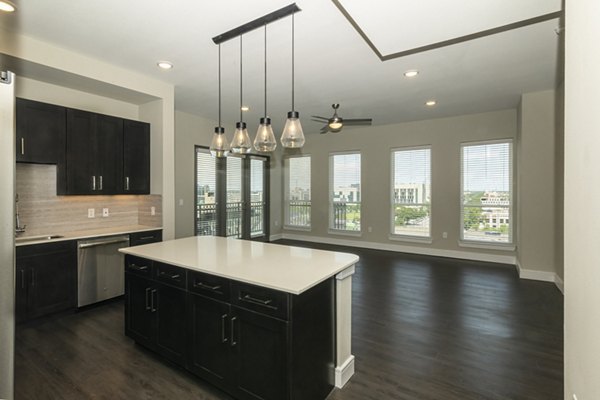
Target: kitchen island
{"x":259,"y":320}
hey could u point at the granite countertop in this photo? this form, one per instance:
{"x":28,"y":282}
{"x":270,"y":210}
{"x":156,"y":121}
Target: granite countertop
{"x":286,"y":268}
{"x":25,"y":240}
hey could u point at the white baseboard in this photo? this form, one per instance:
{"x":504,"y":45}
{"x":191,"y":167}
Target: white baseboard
{"x":344,"y":372}
{"x":277,"y":236}
{"x":465,"y":255}
{"x":543,"y":276}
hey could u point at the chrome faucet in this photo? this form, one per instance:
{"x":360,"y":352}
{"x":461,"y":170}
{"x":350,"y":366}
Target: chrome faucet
{"x":18,"y":227}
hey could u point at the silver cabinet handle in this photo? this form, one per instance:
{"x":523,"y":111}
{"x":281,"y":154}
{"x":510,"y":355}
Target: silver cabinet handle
{"x":153,"y":307}
{"x":233,"y":342}
{"x":126,"y":183}
{"x":257,"y":301}
{"x":100,"y":182}
{"x":223,"y":337}
{"x":147,"y":301}
{"x":167,"y":275}
{"x":201,"y":285}
{"x":138,"y":267}
{"x":94,"y":182}
{"x":22,"y":146}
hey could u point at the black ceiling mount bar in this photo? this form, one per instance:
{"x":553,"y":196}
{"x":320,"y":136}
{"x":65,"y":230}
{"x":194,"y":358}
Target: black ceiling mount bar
{"x":257,"y":23}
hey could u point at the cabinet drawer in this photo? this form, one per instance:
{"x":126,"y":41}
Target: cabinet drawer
{"x":170,"y":274}
{"x":138,"y":265}
{"x":260,"y":299}
{"x":209,"y":285}
{"x":139,"y":238}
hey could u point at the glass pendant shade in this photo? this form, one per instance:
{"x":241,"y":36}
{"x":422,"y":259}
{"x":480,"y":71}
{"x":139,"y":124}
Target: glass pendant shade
{"x":219,"y":147}
{"x":241,"y":144}
{"x":292,"y":136}
{"x":265,"y":139}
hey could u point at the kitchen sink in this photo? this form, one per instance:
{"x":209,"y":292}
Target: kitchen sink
{"x":37,"y":238}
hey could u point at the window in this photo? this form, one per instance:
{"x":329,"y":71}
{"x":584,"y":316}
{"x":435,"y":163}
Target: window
{"x":345,"y":198}
{"x":411,"y":192}
{"x":297,"y":192}
{"x":206,"y":189}
{"x":486,"y":182}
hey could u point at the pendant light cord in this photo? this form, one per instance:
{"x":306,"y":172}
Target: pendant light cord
{"x":241,"y":82}
{"x":265,"y":70}
{"x":219,"y":85}
{"x":293,"y":108}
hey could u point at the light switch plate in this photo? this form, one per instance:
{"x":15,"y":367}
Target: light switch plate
{"x":91,"y":213}
{"x":152,"y":210}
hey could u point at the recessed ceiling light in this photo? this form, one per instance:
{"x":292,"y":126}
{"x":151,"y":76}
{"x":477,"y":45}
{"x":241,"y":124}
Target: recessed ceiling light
{"x":245,"y":108}
{"x":411,"y":73}
{"x":7,"y":6}
{"x":430,"y":103}
{"x":164,"y":65}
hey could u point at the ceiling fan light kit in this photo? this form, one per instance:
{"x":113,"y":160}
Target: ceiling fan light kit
{"x":292,"y":135}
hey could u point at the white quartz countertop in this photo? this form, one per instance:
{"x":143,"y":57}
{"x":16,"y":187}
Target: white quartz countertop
{"x":286,"y":268}
{"x":25,"y":240}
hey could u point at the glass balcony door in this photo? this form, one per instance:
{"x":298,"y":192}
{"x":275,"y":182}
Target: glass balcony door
{"x":231,"y":196}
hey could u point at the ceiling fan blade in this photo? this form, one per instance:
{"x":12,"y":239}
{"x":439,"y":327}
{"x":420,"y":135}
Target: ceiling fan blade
{"x":324,"y":129}
{"x":317,"y":117}
{"x":358,"y":121}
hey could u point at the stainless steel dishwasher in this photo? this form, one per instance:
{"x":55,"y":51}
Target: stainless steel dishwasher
{"x":100,"y":266}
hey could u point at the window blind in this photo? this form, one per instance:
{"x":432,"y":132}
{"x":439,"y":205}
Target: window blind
{"x":345,"y":192}
{"x":298,"y":196}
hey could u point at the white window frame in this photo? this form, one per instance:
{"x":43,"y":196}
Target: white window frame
{"x":333,"y":230}
{"x":286,"y":179}
{"x":404,"y":237}
{"x":482,"y":243}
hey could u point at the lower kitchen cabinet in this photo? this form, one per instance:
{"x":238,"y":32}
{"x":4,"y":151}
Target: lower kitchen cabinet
{"x":255,"y":343}
{"x":156,"y":316}
{"x":46,"y":279}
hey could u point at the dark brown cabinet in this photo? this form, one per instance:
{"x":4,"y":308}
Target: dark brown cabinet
{"x":253,"y":342}
{"x":146,"y":237}
{"x":155,"y":311}
{"x":136,"y":157}
{"x":94,"y":147}
{"x":40,"y":134}
{"x":45,"y":279}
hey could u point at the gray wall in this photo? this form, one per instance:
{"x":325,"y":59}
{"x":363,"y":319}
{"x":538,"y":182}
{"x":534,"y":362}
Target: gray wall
{"x":537,"y":191}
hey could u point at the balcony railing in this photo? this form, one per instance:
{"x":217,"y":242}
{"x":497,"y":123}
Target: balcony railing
{"x":346,"y":216}
{"x":299,"y":213}
{"x":207,"y":222}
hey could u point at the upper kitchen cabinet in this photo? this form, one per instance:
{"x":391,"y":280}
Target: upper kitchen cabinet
{"x":136,"y":157}
{"x":94,"y":154}
{"x":40,"y":132}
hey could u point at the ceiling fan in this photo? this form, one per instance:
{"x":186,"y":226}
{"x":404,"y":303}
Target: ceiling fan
{"x":336,"y":123}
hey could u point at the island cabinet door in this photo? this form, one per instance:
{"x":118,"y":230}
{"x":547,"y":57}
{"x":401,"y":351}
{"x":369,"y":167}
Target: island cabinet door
{"x":209,"y":342}
{"x":139,"y":316}
{"x":169,"y":307}
{"x":259,"y":346}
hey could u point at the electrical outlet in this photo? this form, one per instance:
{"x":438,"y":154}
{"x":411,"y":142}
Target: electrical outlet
{"x":91,"y":213}
{"x":180,"y":202}
{"x":445,"y":235}
{"x":105,"y":212}
{"x":152,"y":210}
{"x":370,"y":229}
{"x":276,"y":223}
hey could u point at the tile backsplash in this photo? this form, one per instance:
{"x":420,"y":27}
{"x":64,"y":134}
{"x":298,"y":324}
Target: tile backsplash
{"x":43,"y":212}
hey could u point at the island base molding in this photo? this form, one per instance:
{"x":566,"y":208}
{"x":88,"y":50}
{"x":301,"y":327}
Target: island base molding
{"x":344,"y":368}
{"x":344,"y":372}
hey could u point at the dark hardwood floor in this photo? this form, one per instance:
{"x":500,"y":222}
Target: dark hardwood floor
{"x":423,"y":328}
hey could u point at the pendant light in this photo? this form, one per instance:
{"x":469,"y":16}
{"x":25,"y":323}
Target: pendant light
{"x":241,"y":143}
{"x":265,"y":139}
{"x":292,"y":136}
{"x":219,"y":147}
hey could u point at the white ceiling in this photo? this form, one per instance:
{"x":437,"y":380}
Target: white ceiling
{"x":333,"y":62}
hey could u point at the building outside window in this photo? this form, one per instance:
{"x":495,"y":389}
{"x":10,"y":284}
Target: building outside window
{"x":487,"y":195}
{"x":297,"y":192}
{"x":345,"y":192}
{"x":411,"y":192}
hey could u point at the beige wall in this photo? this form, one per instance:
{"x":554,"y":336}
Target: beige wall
{"x":375,"y":143}
{"x":582,"y":195}
{"x":536,"y":185}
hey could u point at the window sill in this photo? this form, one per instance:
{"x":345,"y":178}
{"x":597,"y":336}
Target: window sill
{"x":411,"y":239}
{"x":345,"y":233}
{"x":487,"y":245}
{"x":297,"y":228}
